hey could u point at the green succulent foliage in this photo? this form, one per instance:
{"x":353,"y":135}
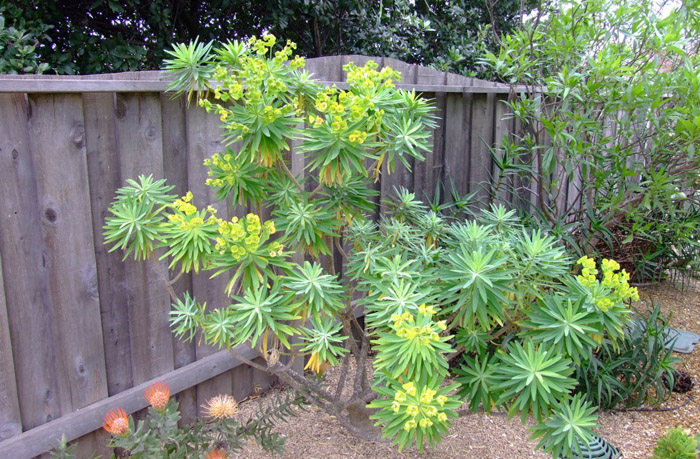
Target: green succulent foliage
{"x":307,"y":225}
{"x":235,"y":178}
{"x":569,"y":426}
{"x":393,"y":298}
{"x":245,"y":247}
{"x":532,"y":379}
{"x":476,"y":285}
{"x":189,"y":238}
{"x":414,"y":348}
{"x":411,"y":412}
{"x":538,"y":253}
{"x":136,"y":218}
{"x":472,"y":338}
{"x":254,"y":316}
{"x":186,"y":315}
{"x":477,"y":380}
{"x":562,"y":325}
{"x":677,"y":443}
{"x":324,"y":339}
{"x":189,"y":67}
{"x":315,"y":293}
{"x":352,"y":198}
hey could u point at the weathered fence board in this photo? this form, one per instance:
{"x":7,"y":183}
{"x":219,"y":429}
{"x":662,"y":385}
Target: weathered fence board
{"x":85,"y":326}
{"x":103,"y":171}
{"x":67,"y":234}
{"x":25,"y":278}
{"x":10,"y":420}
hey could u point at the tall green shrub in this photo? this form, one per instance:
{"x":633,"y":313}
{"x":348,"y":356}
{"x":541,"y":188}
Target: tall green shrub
{"x":613,"y":108}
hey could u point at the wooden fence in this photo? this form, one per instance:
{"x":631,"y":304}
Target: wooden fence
{"x":81,"y":331}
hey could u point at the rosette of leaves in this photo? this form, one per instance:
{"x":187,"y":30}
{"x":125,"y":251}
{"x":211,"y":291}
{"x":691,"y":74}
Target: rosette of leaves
{"x":188,"y":234}
{"x":676,"y":443}
{"x":412,"y":412}
{"x":475,"y":286}
{"x":315,"y":293}
{"x":324,"y":342}
{"x":562,"y":325}
{"x":235,"y":178}
{"x":308,"y":226}
{"x":260,"y":314}
{"x":136,"y":216}
{"x":393,"y":298}
{"x":413,"y":347}
{"x":532,"y":379}
{"x":569,"y":426}
{"x":351,"y":199}
{"x":477,"y":379}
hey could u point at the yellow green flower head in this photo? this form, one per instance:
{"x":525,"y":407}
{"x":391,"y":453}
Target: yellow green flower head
{"x":410,"y":425}
{"x":410,"y":388}
{"x":395,"y":406}
{"x":426,"y":310}
{"x":400,"y":396}
{"x":441,"y":400}
{"x":442,"y":417}
{"x":431,"y":411}
{"x":412,"y":410}
{"x":425,"y":422}
{"x":407,"y":316}
{"x":427,"y":396}
{"x":442,"y":325}
{"x":609,"y":265}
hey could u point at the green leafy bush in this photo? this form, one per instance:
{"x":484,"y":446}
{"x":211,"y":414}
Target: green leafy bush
{"x":610,"y":114}
{"x":489,"y":296}
{"x":677,"y":443}
{"x":18,"y":47}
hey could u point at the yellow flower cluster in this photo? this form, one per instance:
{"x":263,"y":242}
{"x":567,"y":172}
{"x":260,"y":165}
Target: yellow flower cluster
{"x":297,"y":63}
{"x":186,"y":214}
{"x":262,"y":45}
{"x":184,"y":204}
{"x":368,"y":77}
{"x":357,"y":137}
{"x":406,"y":327}
{"x":587,"y":278}
{"x":613,"y":280}
{"x":241,"y":237}
{"x":418,"y":406}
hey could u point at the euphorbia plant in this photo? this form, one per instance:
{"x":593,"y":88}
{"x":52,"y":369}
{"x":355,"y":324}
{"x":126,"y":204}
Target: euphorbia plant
{"x":431,"y":288}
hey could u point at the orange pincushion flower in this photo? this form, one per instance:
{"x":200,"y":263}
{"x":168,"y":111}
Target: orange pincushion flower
{"x":216,"y":454}
{"x":116,"y":422}
{"x":157,"y":395}
{"x":221,"y":407}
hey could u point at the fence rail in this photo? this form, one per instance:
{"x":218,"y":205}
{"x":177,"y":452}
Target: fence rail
{"x":80,"y":329}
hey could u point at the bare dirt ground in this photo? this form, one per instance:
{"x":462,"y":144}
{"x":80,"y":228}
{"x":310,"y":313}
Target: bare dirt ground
{"x":314,"y":434}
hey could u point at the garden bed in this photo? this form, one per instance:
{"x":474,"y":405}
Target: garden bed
{"x":315,"y":434}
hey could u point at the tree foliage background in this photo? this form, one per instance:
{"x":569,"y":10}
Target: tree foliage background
{"x":99,"y":36}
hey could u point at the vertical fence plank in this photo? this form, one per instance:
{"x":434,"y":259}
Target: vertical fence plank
{"x":104,"y":178}
{"x":457,"y":143}
{"x":68,"y":238}
{"x":503,"y":128}
{"x":203,"y":140}
{"x":10,"y":419}
{"x":26,"y":292}
{"x":175,"y":169}
{"x":481,"y":139}
{"x":139,"y":129}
